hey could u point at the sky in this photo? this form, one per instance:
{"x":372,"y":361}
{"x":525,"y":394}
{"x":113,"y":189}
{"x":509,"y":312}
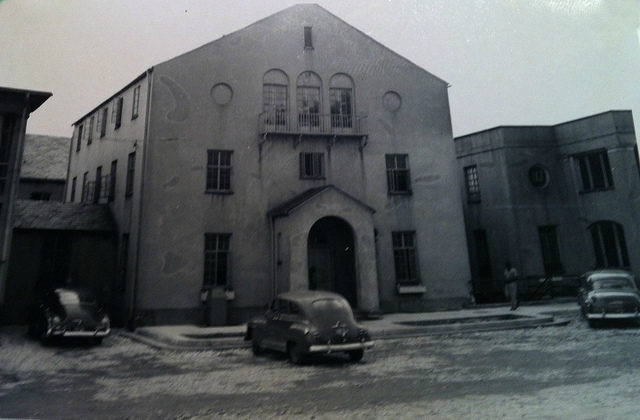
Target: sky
{"x":509,"y":62}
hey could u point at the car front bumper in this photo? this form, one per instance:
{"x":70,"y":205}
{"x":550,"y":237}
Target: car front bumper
{"x":612,"y":315}
{"x":95,"y":333}
{"x":330,"y":348}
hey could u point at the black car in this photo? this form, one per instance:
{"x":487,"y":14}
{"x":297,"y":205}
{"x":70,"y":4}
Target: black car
{"x":608,"y":295}
{"x":69,"y":312}
{"x":308,"y":322}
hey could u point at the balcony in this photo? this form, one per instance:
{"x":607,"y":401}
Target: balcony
{"x":297,"y":124}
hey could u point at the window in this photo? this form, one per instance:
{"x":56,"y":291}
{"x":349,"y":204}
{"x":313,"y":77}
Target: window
{"x":308,"y":100}
{"x":73,"y":188}
{"x":216,"y":259}
{"x":136,"y":102}
{"x":311,"y":165}
{"x":308,"y":41}
{"x":472,"y":183}
{"x":118,"y":112}
{"x":131,"y":167}
{"x":90,"y":131}
{"x":218,"y":170}
{"x":398,"y":174}
{"x":341,"y":101}
{"x":609,"y":244}
{"x":103,"y":122}
{"x":112,"y":180}
{"x":483,"y":257}
{"x":7,"y":125}
{"x":79,"y":143}
{"x":550,"y":250}
{"x":595,"y":171}
{"x":404,"y":258}
{"x":85,"y":178}
{"x":538,"y":176}
{"x":98,"y":185}
{"x":40,"y":196}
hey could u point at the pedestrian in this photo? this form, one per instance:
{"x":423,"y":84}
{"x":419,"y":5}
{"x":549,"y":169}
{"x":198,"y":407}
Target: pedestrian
{"x":511,"y":285}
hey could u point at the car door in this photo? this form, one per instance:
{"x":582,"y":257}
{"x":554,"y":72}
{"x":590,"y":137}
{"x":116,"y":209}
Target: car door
{"x":272,"y":336}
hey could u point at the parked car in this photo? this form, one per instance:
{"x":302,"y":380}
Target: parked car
{"x":608,"y":294}
{"x":308,"y":322}
{"x":69,"y":312}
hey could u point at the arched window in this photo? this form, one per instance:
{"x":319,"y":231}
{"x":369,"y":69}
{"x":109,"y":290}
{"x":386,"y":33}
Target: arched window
{"x":609,"y":245}
{"x":341,"y":99}
{"x":308,"y":88}
{"x":275,"y":98}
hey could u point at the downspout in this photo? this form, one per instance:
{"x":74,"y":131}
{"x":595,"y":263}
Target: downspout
{"x":145,"y":145}
{"x":66,"y":184}
{"x":13,"y":186}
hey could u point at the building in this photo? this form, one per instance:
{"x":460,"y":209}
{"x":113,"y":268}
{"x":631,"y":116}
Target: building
{"x":44,"y":168}
{"x":555,"y":201}
{"x":296,"y":153}
{"x":15,"y":107}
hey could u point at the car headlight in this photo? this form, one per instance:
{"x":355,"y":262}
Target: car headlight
{"x":105,"y":321}
{"x":56,"y":320}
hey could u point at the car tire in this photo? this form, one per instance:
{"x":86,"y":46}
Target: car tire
{"x":255,"y":347}
{"x":97,"y":340}
{"x":593,"y":323}
{"x":355,"y":355}
{"x":295,"y":353}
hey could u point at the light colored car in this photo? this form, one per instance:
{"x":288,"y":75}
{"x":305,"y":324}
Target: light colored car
{"x":608,"y":294}
{"x":308,"y":322}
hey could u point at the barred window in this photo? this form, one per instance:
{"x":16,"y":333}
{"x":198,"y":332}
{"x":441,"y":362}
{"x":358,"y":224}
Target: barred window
{"x":398,"y":180}
{"x":311,"y":165}
{"x":216,"y":259}
{"x":404,"y":258}
{"x":472,"y":183}
{"x":219,"y":170}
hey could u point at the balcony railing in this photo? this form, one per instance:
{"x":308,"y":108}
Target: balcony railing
{"x":312,"y":124}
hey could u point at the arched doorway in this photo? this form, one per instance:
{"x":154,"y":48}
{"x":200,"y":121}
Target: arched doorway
{"x":331,"y":258}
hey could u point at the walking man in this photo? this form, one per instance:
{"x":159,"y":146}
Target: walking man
{"x":511,"y":284}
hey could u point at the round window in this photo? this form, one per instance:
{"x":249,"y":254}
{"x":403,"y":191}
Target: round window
{"x":539,"y":176}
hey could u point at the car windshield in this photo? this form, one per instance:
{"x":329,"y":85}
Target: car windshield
{"x":620,"y":283}
{"x":70,"y":297}
{"x":330,"y":311}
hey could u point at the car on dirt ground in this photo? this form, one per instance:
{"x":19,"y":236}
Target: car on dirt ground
{"x":301,"y":323}
{"x":608,"y":295}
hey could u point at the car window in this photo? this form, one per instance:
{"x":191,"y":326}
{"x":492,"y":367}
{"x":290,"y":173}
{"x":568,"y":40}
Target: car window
{"x":331,"y":310}
{"x":612,"y":283}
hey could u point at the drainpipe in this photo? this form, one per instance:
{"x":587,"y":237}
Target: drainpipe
{"x":145,"y":144}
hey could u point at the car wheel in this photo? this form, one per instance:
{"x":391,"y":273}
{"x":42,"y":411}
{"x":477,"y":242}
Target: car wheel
{"x":43,"y":325}
{"x":356,"y":355}
{"x":295,"y":353}
{"x":97,"y":340}
{"x":594,"y":323}
{"x":255,"y":347}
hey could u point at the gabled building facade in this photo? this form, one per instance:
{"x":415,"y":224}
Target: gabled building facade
{"x":44,"y":168}
{"x":296,"y":153}
{"x":555,"y":201}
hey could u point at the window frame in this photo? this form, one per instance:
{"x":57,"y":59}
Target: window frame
{"x":472,"y":184}
{"x":550,"y":250}
{"x":74,"y":181}
{"x":80,"y":133}
{"x":219,"y":173}
{"x":405,"y":258}
{"x":90,"y":130}
{"x":118,"y":112}
{"x":131,"y":167}
{"x":112,"y":180}
{"x":213,"y":256}
{"x":316,"y":159}
{"x":394,"y":172}
{"x":103,"y":121}
{"x":589,"y":169}
{"x":602,"y":252}
{"x":308,"y":38}
{"x":136,"y":102}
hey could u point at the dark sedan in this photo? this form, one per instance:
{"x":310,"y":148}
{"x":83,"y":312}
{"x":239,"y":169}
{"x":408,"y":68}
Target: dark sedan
{"x":308,"y":322}
{"x":608,"y":294}
{"x":69,"y":312}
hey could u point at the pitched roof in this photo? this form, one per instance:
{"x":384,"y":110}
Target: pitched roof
{"x":32,"y":214}
{"x":45,"y":157}
{"x":288,"y":206}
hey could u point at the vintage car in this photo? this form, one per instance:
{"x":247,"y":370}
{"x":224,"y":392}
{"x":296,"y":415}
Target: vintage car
{"x":308,"y":322}
{"x":608,"y":294}
{"x":69,"y":312}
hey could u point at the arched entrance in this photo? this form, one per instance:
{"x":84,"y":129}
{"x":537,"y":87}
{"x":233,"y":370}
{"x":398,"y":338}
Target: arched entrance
{"x":331,"y":258}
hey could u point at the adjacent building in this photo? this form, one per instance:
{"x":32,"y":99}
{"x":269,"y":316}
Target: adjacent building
{"x":296,"y":153}
{"x":44,"y":168}
{"x":15,"y":107}
{"x":555,"y":201}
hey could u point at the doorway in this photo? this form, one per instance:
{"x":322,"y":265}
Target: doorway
{"x":331,"y":258}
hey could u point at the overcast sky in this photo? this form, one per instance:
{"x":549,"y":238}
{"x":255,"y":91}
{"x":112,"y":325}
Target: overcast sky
{"x":509,"y":62}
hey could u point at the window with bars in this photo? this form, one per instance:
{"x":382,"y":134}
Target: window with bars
{"x":136,"y":102}
{"x":131,"y":167}
{"x":472,"y":183}
{"x":216,"y":259}
{"x":218,"y":171}
{"x":609,"y":244}
{"x":404,"y":258}
{"x":550,"y":250}
{"x":398,"y":176}
{"x":595,"y":171}
{"x":311,"y":165}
